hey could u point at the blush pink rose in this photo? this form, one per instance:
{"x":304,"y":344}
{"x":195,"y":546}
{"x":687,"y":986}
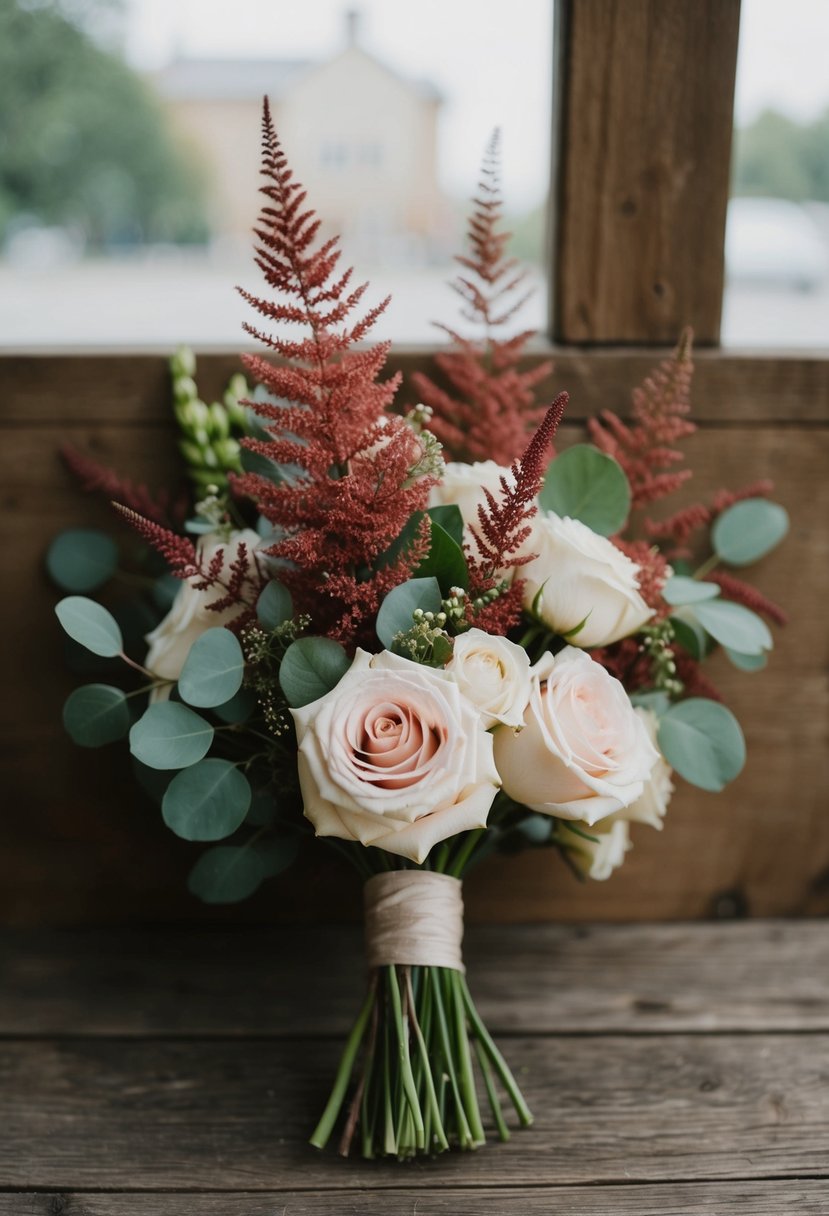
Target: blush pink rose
{"x":583,"y":753}
{"x":394,"y":756}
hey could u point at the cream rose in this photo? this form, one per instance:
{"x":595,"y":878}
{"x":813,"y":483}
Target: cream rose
{"x":170,"y":642}
{"x":583,"y":753}
{"x":600,"y":857}
{"x":394,"y":756}
{"x":652,"y":803}
{"x":494,"y":674}
{"x":579,"y":576}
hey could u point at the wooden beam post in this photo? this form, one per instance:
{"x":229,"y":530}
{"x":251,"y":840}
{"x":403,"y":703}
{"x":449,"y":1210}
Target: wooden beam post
{"x":642,"y":163}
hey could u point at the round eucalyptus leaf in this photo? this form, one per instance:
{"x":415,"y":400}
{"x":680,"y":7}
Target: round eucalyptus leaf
{"x":689,"y":633}
{"x":96,"y":714}
{"x":734,"y":626}
{"x":91,"y":625}
{"x":165,"y":589}
{"x":82,"y":559}
{"x":396,"y":613}
{"x":310,"y":668}
{"x":238,"y":708}
{"x":656,"y":701}
{"x":680,"y":590}
{"x":169,"y":735}
{"x":274,"y":605}
{"x":746,"y":662}
{"x":702,"y":740}
{"x":586,"y":484}
{"x":207,"y":801}
{"x":748,"y":531}
{"x":228,"y":873}
{"x":213,"y":669}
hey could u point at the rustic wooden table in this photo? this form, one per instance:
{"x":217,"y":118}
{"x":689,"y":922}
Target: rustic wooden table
{"x":673,"y":1069}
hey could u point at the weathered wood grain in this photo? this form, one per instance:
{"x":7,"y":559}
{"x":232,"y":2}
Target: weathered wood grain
{"x":643,"y":163}
{"x":800,"y":1198}
{"x":75,"y":391}
{"x":537,"y":979}
{"x":134,"y":1114}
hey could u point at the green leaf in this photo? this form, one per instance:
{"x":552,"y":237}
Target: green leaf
{"x":82,"y":559}
{"x":657,"y":701}
{"x":702,"y":740}
{"x":584,"y":483}
{"x":207,"y":801}
{"x":689,"y":633}
{"x":450,"y":519}
{"x":397,"y":609}
{"x":228,"y":873}
{"x":274,"y":605}
{"x":679,"y":590}
{"x":401,"y":542}
{"x":748,"y":531}
{"x":96,"y":714}
{"x":169,"y":735}
{"x":536,"y":829}
{"x":746,"y":662}
{"x":91,"y":625}
{"x":734,"y":626}
{"x":310,"y":668}
{"x":213,"y":669}
{"x":445,"y":561}
{"x":165,"y":589}
{"x":262,"y":811}
{"x":238,"y":708}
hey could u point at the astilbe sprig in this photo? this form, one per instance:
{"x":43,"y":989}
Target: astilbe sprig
{"x":490,"y":408}
{"x":504,"y":526}
{"x":97,"y":478}
{"x":356,"y":489}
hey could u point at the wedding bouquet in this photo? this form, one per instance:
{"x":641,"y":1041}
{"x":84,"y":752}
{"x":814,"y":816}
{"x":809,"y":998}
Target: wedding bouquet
{"x":417,"y":660}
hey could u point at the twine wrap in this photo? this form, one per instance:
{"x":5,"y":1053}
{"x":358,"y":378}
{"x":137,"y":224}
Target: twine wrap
{"x":414,"y":917}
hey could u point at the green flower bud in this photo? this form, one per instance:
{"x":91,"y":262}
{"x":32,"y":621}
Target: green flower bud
{"x":219,"y":421}
{"x":184,"y":388}
{"x":183,"y":362}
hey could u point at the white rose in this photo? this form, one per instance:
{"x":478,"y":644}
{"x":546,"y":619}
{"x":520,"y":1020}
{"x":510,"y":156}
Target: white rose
{"x":652,"y":803}
{"x":579,"y":576}
{"x":600,"y":857}
{"x":190,"y":617}
{"x":494,"y":674}
{"x":394,"y":756}
{"x":583,"y":753}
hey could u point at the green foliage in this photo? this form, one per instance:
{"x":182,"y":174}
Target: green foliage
{"x":274,"y":606}
{"x":96,"y":714}
{"x":228,"y":873}
{"x":681,"y":590}
{"x":586,"y":484}
{"x":656,"y":702}
{"x":746,"y":662}
{"x":779,"y":158}
{"x":689,"y":633}
{"x":450,"y":519}
{"x":748,"y":531}
{"x":84,"y":142}
{"x":702,"y":740}
{"x":398,"y":608}
{"x":310,"y":668}
{"x":734,"y":626}
{"x":91,"y":625}
{"x":210,"y":436}
{"x":169,"y":735}
{"x":238,"y":709}
{"x":207,"y":801}
{"x":213,"y":669}
{"x":82,"y":559}
{"x":445,"y":561}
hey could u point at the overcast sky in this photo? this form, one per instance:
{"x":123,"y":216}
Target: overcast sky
{"x":491,"y":59}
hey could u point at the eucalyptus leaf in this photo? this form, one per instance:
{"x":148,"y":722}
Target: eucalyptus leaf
{"x":165,"y":590}
{"x":169,"y":735}
{"x":398,"y":608}
{"x":689,"y":633}
{"x":310,"y":668}
{"x":96,"y":714}
{"x":82,"y":559}
{"x":228,"y":873}
{"x":213,"y":670}
{"x":238,"y":708}
{"x":746,"y":662}
{"x":657,"y":702}
{"x":679,"y":590}
{"x":274,"y":605}
{"x":748,"y":531}
{"x":262,"y":812}
{"x":207,"y":801}
{"x":702,"y":740}
{"x":445,"y":561}
{"x":91,"y":625}
{"x":450,"y":519}
{"x":586,"y":484}
{"x":734,"y":626}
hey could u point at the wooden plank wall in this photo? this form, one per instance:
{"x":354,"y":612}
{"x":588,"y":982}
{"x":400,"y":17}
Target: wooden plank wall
{"x":79,"y":845}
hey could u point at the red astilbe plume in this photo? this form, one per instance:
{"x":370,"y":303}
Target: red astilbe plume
{"x":490,"y":409}
{"x":645,"y":448}
{"x":97,"y":478}
{"x":680,"y":527}
{"x":653,"y":572}
{"x":743,"y":593}
{"x":178,"y":551}
{"x":504,"y":526}
{"x":364,"y":472}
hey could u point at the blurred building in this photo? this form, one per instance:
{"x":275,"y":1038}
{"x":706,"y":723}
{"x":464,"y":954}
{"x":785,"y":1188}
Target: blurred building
{"x":360,"y":137}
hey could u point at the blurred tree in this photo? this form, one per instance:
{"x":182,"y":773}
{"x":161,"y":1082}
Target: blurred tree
{"x":83,"y":142}
{"x":778,"y":158}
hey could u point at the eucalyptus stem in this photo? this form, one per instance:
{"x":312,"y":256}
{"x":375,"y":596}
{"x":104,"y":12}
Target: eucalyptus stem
{"x":491,"y":1092}
{"x":404,"y":1059}
{"x":323,"y":1130}
{"x":464,"y":1133}
{"x":497,"y":1060}
{"x":432,"y":1111}
{"x":466,"y":1077}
